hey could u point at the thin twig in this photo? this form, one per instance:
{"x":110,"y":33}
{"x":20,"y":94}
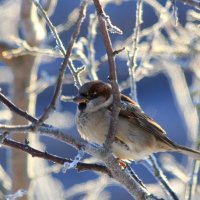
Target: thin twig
{"x":192,"y":185}
{"x":115,"y":52}
{"x":52,"y":28}
{"x":16,"y":110}
{"x":34,"y":51}
{"x":161,"y":177}
{"x":132,"y":68}
{"x":159,"y":174}
{"x":175,"y":11}
{"x":59,"y":43}
{"x":66,"y":26}
{"x":56,"y":159}
{"x":90,"y":47}
{"x":135,"y":177}
{"x":132,"y":173}
{"x":113,"y":77}
{"x":34,"y":31}
{"x":193,"y":3}
{"x":57,"y":91}
{"x":133,"y":57}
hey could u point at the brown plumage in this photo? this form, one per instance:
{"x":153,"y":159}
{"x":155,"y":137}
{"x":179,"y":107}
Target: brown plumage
{"x":137,"y":135}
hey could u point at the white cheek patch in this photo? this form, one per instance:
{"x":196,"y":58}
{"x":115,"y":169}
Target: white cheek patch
{"x":98,"y":103}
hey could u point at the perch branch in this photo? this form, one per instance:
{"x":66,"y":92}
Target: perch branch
{"x":113,"y":76}
{"x":130,"y":183}
{"x":47,"y":156}
{"x":116,"y":172}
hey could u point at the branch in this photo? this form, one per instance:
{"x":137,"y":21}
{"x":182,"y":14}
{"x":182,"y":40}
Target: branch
{"x":96,"y":151}
{"x":134,"y":188}
{"x":50,"y":6}
{"x":16,"y":110}
{"x":54,"y":132}
{"x":48,"y":131}
{"x":51,"y":27}
{"x":158,"y":173}
{"x":112,"y":164}
{"x":4,"y":47}
{"x":133,"y":57}
{"x":90,"y":47}
{"x":193,"y":182}
{"x":193,"y":3}
{"x":113,"y":76}
{"x":56,"y":159}
{"x":25,"y":49}
{"x":131,"y":184}
{"x":67,"y":54}
{"x":33,"y":28}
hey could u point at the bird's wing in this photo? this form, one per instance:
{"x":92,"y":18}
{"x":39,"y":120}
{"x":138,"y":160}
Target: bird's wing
{"x":131,"y":110}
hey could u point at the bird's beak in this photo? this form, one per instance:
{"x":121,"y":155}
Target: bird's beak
{"x":80,"y":99}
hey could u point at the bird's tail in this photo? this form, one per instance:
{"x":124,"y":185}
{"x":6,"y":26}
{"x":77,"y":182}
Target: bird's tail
{"x":189,"y":152}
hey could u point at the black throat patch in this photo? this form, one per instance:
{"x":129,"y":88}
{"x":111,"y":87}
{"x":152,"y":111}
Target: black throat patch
{"x":82,"y":106}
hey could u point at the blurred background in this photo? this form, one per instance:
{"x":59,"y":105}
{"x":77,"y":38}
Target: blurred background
{"x":167,"y":77}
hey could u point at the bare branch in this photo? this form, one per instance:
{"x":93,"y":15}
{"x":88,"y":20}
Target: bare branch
{"x":52,"y":28}
{"x":157,"y":171}
{"x":96,"y":151}
{"x":132,"y":69}
{"x":16,"y":110}
{"x":33,"y":28}
{"x":113,"y":76}
{"x":90,"y":47}
{"x":57,"y":91}
{"x":193,"y":182}
{"x":25,"y":49}
{"x":193,"y":3}
{"x":133,"y":54}
{"x":134,"y":188}
{"x":47,"y":156}
{"x":131,"y":184}
{"x":50,"y":6}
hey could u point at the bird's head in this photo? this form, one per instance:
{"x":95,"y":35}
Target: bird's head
{"x":93,"y":96}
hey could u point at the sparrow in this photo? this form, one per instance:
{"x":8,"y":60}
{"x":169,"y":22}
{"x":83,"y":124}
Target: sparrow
{"x":137,"y":135}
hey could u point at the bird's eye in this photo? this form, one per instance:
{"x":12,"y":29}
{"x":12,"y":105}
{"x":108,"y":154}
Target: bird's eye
{"x":84,"y":95}
{"x":92,"y":95}
{"x":89,"y":96}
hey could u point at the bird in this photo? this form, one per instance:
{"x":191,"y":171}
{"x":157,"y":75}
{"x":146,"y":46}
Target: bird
{"x":137,"y":135}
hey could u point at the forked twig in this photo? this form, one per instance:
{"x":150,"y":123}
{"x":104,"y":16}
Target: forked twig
{"x":66,"y":61}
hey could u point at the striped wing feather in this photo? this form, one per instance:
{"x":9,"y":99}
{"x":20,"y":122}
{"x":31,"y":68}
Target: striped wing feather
{"x":133,"y":112}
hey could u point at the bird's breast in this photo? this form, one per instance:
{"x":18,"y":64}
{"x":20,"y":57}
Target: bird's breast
{"x":93,"y":126}
{"x":131,"y":142}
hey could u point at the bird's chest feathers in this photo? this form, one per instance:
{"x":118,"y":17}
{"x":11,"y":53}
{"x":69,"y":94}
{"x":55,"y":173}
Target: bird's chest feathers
{"x":93,"y":126}
{"x":130,"y":143}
